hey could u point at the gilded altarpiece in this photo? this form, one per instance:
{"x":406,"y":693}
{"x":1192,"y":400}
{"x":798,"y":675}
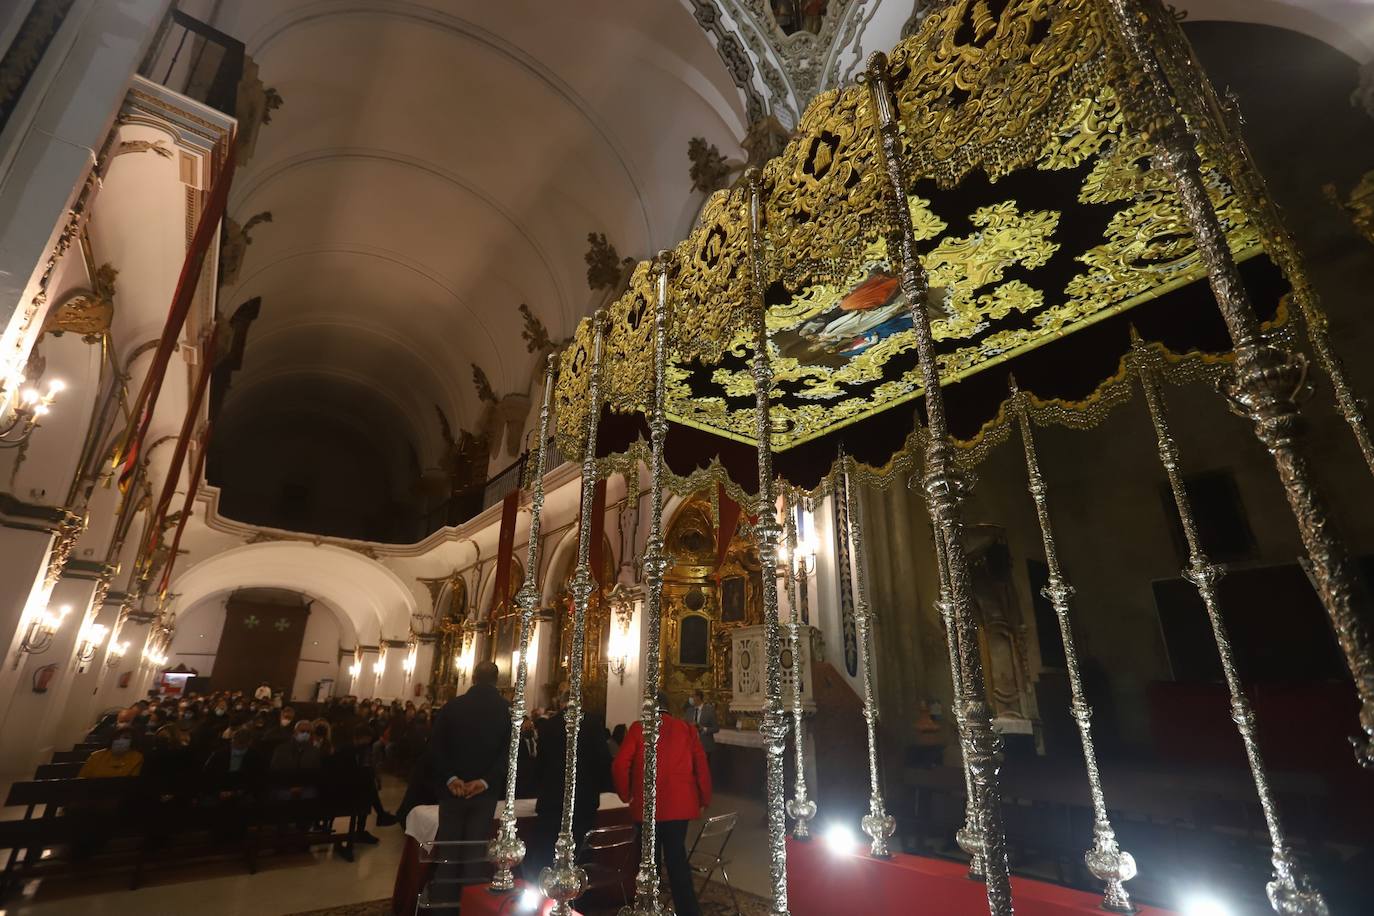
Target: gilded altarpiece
{"x":703,"y":604}
{"x":450,"y":600}
{"x":594,"y":659}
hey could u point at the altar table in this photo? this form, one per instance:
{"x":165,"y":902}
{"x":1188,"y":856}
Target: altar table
{"x":422,"y":823}
{"x":821,"y":882}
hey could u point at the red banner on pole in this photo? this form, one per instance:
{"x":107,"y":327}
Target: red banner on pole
{"x":197,"y":473}
{"x":505,"y":548}
{"x":142,"y":414}
{"x":729,"y":524}
{"x":188,"y":425}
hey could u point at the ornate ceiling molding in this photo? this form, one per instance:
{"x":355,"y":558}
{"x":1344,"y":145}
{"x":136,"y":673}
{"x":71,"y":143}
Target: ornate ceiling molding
{"x":793,"y":68}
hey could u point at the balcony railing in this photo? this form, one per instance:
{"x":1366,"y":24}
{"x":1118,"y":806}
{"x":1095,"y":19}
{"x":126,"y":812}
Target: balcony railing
{"x":200,"y":62}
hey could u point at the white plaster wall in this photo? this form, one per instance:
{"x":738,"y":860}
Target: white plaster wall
{"x":319,"y":652}
{"x":197,"y":637}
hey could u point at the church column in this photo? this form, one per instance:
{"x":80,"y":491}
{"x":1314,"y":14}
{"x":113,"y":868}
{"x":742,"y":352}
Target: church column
{"x":34,"y":709}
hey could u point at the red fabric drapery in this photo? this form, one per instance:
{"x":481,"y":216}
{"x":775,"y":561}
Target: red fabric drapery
{"x":505,"y":547}
{"x":126,"y":459}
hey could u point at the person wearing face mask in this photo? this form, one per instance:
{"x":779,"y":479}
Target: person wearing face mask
{"x":234,"y":770}
{"x":279,"y":731}
{"x":300,"y":753}
{"x":118,"y":760}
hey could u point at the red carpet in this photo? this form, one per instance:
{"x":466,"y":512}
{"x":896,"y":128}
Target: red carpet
{"x":823,"y":883}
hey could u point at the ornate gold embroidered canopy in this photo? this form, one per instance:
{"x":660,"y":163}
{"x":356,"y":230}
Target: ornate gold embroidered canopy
{"x":1038,"y":208}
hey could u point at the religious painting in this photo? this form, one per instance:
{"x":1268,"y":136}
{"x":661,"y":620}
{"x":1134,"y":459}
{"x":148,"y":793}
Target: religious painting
{"x":872,"y":311}
{"x":734,"y":594}
{"x":794,"y":16}
{"x":694,"y":641}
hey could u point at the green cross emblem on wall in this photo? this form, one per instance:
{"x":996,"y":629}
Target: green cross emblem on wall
{"x":251,"y":621}
{"x":282,"y":624}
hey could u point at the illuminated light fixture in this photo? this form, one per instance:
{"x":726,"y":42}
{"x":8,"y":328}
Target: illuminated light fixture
{"x":408,"y":663}
{"x":618,"y":640}
{"x":39,"y":634}
{"x":840,"y":840}
{"x":28,"y":407}
{"x":1204,"y":905}
{"x":88,"y":643}
{"x":355,"y":669}
{"x":156,"y":657}
{"x":116,"y":652}
{"x":530,"y":900}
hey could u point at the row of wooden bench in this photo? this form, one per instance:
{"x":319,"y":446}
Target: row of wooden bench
{"x":69,"y":822}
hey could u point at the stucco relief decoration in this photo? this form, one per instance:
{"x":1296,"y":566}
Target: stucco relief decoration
{"x":87,"y":312}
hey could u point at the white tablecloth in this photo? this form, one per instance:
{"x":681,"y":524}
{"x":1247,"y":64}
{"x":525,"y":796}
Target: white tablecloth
{"x":423,"y":821}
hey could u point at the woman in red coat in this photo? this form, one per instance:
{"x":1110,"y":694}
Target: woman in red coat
{"x":682,"y":789}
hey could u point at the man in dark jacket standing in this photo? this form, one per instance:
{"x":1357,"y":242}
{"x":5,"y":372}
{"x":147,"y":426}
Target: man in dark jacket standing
{"x":468,"y":758}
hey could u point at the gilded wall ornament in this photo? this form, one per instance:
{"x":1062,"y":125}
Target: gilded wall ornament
{"x":87,"y":312}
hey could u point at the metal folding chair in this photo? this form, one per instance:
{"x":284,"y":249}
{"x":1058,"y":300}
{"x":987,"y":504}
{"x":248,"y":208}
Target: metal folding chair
{"x":606,"y":855}
{"x":453,"y":865}
{"x":705,"y":862}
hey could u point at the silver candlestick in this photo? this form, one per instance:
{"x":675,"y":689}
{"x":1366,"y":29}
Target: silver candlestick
{"x":648,"y":901}
{"x":970,"y":835}
{"x":1290,"y":894}
{"x":877,"y":824}
{"x":1269,"y":381}
{"x":565,"y":880}
{"x":1107,"y":861}
{"x":507,"y":850}
{"x":800,"y":808}
{"x":774,"y":728}
{"x":944,"y":485}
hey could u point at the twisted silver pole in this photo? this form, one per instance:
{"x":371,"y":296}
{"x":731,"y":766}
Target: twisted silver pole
{"x":800,"y":808}
{"x":647,"y":899}
{"x":877,"y":824}
{"x":1269,"y":381}
{"x":970,"y":836}
{"x":1107,"y":861}
{"x":945,"y":487}
{"x":565,"y":880}
{"x":774,"y":728}
{"x":1290,"y":894}
{"x":507,"y":850}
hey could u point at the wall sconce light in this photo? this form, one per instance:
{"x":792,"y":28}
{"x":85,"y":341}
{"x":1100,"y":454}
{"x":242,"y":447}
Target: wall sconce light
{"x":155,"y":657}
{"x":355,"y":670}
{"x":408,"y":663}
{"x":29,"y":407}
{"x":42,"y":628}
{"x":618,"y":641}
{"x":116,"y":652}
{"x":92,"y":635}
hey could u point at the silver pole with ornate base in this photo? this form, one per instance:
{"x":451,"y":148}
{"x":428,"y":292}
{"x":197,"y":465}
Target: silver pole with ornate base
{"x":507,"y":850}
{"x":1290,"y":894}
{"x":648,"y":901}
{"x":945,"y":489}
{"x":800,"y":808}
{"x":565,"y":880}
{"x":774,"y":728}
{"x":1269,"y":381}
{"x":970,"y":835}
{"x":1107,"y":861}
{"x":877,"y":824}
